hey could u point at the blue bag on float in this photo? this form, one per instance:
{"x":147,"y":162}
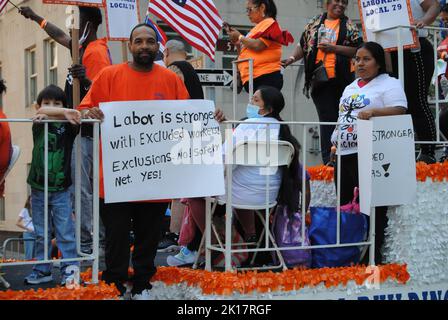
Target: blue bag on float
{"x":353,"y":229}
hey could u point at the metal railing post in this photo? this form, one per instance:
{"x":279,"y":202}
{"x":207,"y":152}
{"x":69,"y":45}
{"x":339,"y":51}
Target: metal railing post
{"x":229,"y":211}
{"x":46,"y":191}
{"x":372,"y":237}
{"x":78,"y":192}
{"x":96,"y":218}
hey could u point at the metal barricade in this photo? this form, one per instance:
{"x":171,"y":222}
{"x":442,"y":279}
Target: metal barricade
{"x":82,"y":256}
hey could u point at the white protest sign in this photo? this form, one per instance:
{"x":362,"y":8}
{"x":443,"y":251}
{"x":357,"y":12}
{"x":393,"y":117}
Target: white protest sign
{"x":121,"y":17}
{"x":386,"y":157}
{"x":365,"y":151}
{"x":381,"y":14}
{"x":161,"y":150}
{"x":94,"y":3}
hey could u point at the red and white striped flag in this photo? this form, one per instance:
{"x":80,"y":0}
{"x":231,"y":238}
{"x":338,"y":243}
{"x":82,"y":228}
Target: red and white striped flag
{"x":197,"y":21}
{"x":3,"y":4}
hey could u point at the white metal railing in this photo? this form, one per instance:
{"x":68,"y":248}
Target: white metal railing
{"x":82,"y":256}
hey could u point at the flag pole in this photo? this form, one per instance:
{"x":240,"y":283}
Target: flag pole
{"x":74,"y":11}
{"x":14,"y":5}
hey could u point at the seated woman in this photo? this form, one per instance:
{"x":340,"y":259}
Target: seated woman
{"x":249,"y":183}
{"x":373,"y":94}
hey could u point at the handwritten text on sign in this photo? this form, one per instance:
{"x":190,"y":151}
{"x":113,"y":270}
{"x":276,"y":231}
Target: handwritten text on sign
{"x":386,"y":152}
{"x":382,"y":14}
{"x":161,"y":150}
{"x":122,"y":16}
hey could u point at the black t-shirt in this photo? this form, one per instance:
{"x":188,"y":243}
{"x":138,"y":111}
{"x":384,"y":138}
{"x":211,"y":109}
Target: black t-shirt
{"x":191,"y":79}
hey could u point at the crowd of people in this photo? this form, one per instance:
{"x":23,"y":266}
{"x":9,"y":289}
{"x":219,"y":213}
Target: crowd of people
{"x":339,"y":69}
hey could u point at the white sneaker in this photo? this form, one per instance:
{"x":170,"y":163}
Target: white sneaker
{"x":144,"y":295}
{"x":184,"y":257}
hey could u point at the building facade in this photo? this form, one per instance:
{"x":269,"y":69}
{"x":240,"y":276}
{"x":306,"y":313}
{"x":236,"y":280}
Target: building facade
{"x":30,"y":60}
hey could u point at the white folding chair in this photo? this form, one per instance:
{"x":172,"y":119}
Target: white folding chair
{"x":267,"y":156}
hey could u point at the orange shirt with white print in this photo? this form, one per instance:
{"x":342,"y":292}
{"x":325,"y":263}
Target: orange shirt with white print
{"x":122,"y":83}
{"x":265,"y":61}
{"x":329,"y":59}
{"x":96,"y":57}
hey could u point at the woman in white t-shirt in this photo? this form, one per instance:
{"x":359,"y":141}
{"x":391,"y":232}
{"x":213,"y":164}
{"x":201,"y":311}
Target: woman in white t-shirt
{"x":373,"y":94}
{"x":25,"y":222}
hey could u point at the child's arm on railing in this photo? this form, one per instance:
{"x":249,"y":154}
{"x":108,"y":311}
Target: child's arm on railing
{"x":72,"y":115}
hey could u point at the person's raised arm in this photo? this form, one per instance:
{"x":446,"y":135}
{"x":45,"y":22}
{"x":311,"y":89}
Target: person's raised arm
{"x":54,"y":32}
{"x":253,"y":44}
{"x":72,"y":115}
{"x":432,"y":10}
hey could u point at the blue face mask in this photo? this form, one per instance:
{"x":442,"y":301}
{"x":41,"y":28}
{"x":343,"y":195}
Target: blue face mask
{"x":252,"y":111}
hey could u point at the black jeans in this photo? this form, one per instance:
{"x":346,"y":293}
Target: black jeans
{"x":274,"y":79}
{"x":350,"y":180}
{"x":418,"y":71}
{"x":326,"y":99}
{"x":145,"y":219}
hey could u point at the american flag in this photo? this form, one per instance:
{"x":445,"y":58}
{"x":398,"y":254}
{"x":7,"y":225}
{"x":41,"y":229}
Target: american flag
{"x":197,"y":21}
{"x":3,"y":4}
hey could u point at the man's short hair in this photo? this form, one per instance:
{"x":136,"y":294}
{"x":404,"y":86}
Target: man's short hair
{"x":52,"y":92}
{"x":143,"y":25}
{"x":175,"y":46}
{"x":91,"y":14}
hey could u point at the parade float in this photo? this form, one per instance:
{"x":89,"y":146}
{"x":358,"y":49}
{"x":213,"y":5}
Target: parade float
{"x":416,"y":252}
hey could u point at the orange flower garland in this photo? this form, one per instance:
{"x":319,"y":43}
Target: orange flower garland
{"x":225,"y":283}
{"x":101,"y":291}
{"x":438,"y":172}
{"x":222,"y":283}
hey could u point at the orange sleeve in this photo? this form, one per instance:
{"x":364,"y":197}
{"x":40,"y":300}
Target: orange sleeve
{"x":95,"y":61}
{"x":97,"y":93}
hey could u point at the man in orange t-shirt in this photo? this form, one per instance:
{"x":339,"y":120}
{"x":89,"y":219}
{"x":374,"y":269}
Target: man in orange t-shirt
{"x":95,"y":57}
{"x":5,"y":143}
{"x":140,"y":79}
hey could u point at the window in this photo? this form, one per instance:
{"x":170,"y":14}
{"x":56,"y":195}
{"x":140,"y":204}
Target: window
{"x":31,"y":76}
{"x":51,"y":62}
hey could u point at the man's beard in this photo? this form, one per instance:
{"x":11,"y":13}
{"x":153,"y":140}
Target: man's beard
{"x":146,"y":61}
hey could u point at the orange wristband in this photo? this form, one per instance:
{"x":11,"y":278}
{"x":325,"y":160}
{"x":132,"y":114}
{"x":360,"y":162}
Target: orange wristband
{"x":43,"y":24}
